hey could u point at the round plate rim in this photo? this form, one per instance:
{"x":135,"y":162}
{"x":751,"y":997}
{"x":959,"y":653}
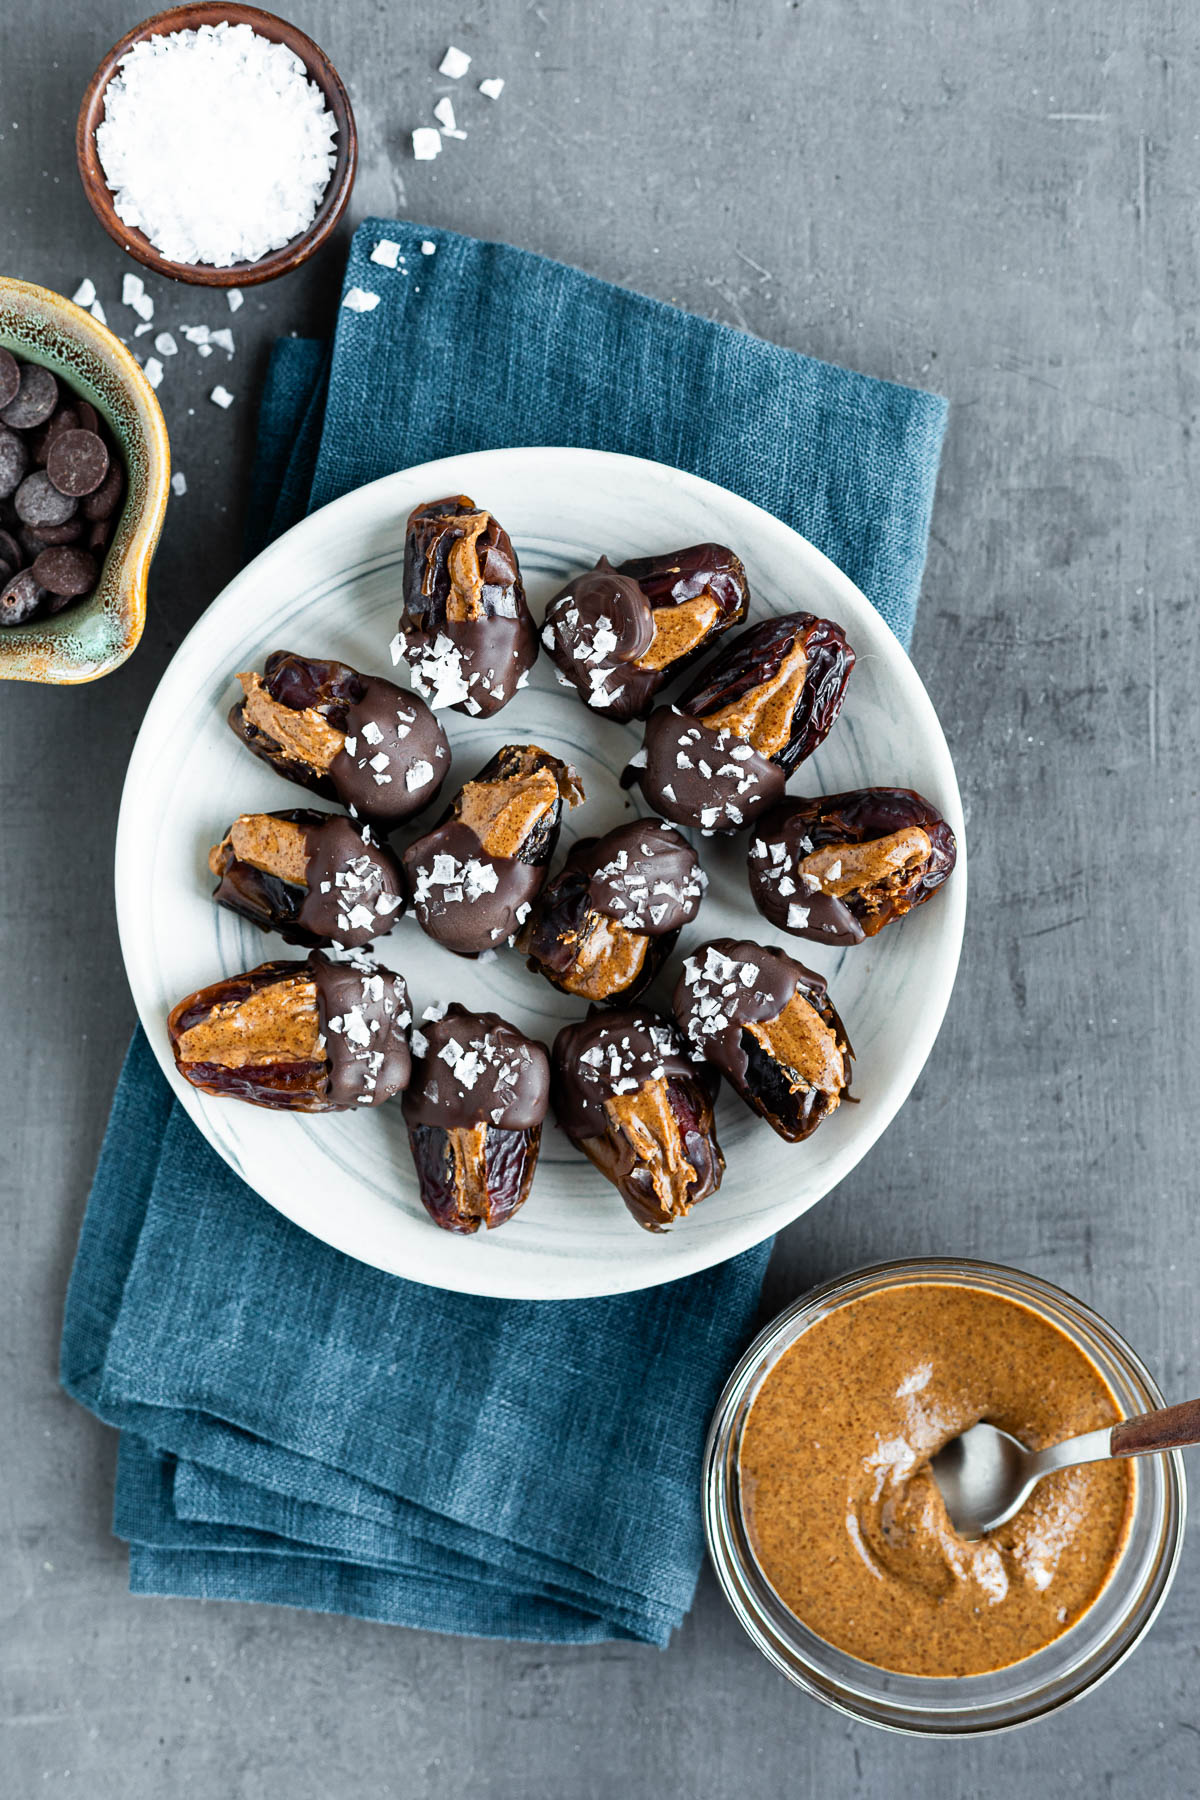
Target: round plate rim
{"x":951,"y":903}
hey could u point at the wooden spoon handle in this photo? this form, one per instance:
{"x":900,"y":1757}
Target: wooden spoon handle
{"x":1169,"y":1429}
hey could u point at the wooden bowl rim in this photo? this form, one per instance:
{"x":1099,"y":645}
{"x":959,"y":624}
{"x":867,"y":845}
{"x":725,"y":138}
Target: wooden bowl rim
{"x":319,"y":69}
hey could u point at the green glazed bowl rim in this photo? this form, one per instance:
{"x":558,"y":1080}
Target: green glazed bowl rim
{"x":96,"y":635}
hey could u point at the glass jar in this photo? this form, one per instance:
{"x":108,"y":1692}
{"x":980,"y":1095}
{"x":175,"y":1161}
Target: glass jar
{"x":955,"y":1706}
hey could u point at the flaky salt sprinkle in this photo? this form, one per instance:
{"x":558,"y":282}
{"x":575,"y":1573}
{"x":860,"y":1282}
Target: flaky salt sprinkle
{"x":455,"y":63}
{"x":426,"y":143}
{"x":221,"y":397}
{"x":215,"y":144}
{"x":493,"y":87}
{"x":359,"y":300}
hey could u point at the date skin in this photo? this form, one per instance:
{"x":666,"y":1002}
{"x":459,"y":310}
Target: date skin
{"x":283,"y":1086}
{"x":794,"y":1112}
{"x":560,"y":923}
{"x":755,"y":657}
{"x":455,"y":1192}
{"x":301,"y":682}
{"x":692,"y":1109}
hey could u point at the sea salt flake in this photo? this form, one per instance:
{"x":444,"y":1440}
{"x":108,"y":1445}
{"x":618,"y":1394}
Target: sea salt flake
{"x":443,"y":112}
{"x":372,"y":733}
{"x":85,"y":293}
{"x":98,"y":313}
{"x":427,"y":247}
{"x":386,"y":253}
{"x":223,"y":338}
{"x":426,"y":143}
{"x":359,"y":300}
{"x":141,"y":330}
{"x":221,"y":397}
{"x":417,"y":774}
{"x":165,"y":344}
{"x":179,"y":483}
{"x":493,"y":87}
{"x":455,"y":63}
{"x":154,"y":371}
{"x":236,"y":299}
{"x":797,"y":917}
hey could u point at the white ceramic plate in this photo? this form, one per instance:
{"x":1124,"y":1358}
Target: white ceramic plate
{"x":331,"y":587}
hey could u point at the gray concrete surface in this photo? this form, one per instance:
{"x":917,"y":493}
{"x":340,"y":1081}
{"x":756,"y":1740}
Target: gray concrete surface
{"x":998,"y":201}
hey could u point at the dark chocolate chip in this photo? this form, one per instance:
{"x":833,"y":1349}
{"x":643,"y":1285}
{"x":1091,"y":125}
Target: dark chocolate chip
{"x":65,"y":419}
{"x":10,"y":550}
{"x":34,"y":401}
{"x":100,"y":534}
{"x":14,"y":461}
{"x":36,"y":538}
{"x":65,"y":571}
{"x":20,"y":599}
{"x":107,"y":496}
{"x":40,"y":503}
{"x":77,"y":462}
{"x":10,"y":377}
{"x":56,"y":603}
{"x":89,"y":418}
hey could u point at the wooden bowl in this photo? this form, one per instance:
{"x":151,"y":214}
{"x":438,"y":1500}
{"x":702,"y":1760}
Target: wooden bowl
{"x":95,"y":635}
{"x":341,"y":180}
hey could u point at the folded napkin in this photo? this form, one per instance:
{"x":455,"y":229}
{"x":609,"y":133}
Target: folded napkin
{"x":299,"y":1428}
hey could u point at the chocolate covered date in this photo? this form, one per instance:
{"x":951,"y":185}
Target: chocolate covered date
{"x":618,"y":634}
{"x":627,"y":1096}
{"x":604,"y":925}
{"x":766,"y":1023}
{"x":474,"y":1109}
{"x":316,"y":878}
{"x":473,"y":878}
{"x":311,"y":1036}
{"x":358,"y":739}
{"x":840,"y":867}
{"x":721,"y":757}
{"x":466,"y":630}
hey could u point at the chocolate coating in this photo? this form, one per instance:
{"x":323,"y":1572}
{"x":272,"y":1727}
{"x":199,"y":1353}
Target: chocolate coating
{"x":475,"y":1068}
{"x":645,"y":880}
{"x":610,"y":630}
{"x":364,"y":1015}
{"x":712,"y":780}
{"x":468,"y":896}
{"x":352,"y":889}
{"x":466,"y":630}
{"x":615,"y":1058}
{"x":730,"y":985}
{"x":913,"y":850}
{"x":393,"y":758}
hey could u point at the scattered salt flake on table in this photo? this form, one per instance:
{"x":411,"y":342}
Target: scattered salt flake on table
{"x":204,"y":349}
{"x":221,"y":397}
{"x":358,"y":300}
{"x":443,"y":112}
{"x":386,"y":253}
{"x":223,"y":338}
{"x":446,"y":132}
{"x":493,"y":87}
{"x":98,"y":313}
{"x":455,"y":63}
{"x":165,"y":344}
{"x":143,"y":328}
{"x":426,"y":143}
{"x":427,"y":248}
{"x":154,"y":371}
{"x":85,"y":293}
{"x":195,"y":334}
{"x":179,"y":482}
{"x":132,"y":288}
{"x":236,"y":299}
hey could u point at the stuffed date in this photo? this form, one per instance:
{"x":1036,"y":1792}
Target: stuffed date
{"x":315,"y":878}
{"x":474,"y":877}
{"x":474,"y":1109}
{"x":619,"y":634}
{"x":837,"y":869}
{"x":766,"y":1023}
{"x":627,"y":1096}
{"x":357,"y":739}
{"x":604,"y":925}
{"x":311,"y":1036}
{"x":466,"y":630}
{"x":722,"y":756}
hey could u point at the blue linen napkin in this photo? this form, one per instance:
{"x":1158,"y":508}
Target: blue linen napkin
{"x":301,"y":1429}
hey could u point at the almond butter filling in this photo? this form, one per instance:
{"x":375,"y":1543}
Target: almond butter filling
{"x":468,"y":1149}
{"x":277,"y":1023}
{"x":503,"y":813}
{"x":799,"y":1038}
{"x":764,"y":715}
{"x":465,"y":599}
{"x":678,"y":629}
{"x":844,"y":868}
{"x":608,"y":959}
{"x":276,"y":846}
{"x":647,"y":1121}
{"x":305,"y":735}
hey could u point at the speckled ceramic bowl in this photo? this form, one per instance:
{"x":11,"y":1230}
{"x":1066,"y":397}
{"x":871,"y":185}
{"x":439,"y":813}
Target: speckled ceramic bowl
{"x":97,"y":634}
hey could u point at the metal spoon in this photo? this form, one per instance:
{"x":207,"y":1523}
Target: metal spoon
{"x":985,"y":1475}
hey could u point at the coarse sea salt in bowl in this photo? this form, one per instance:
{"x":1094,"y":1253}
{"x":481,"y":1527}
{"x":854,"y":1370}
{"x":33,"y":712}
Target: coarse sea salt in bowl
{"x":204,"y":91}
